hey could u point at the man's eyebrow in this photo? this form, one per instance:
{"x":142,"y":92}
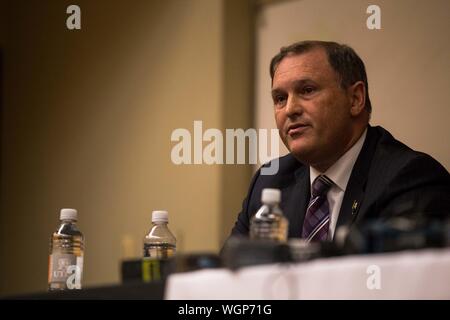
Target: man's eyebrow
{"x":276,"y":91}
{"x":298,"y":82}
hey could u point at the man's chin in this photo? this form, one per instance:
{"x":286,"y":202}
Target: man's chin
{"x":300,"y":151}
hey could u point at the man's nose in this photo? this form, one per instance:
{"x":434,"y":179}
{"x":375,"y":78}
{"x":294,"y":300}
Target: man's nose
{"x":293,"y":106}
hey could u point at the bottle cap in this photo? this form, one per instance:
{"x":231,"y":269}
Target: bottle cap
{"x":160,"y":216}
{"x":271,"y":196}
{"x":68,"y":214}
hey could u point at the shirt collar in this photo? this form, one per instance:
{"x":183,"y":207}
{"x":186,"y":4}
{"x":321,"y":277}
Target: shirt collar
{"x":341,"y":170}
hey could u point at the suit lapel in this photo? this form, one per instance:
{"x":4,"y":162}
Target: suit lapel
{"x":298,"y":199}
{"x":354,"y":193}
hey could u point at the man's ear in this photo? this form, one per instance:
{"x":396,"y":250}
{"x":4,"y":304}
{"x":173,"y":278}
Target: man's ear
{"x":357,"y":94}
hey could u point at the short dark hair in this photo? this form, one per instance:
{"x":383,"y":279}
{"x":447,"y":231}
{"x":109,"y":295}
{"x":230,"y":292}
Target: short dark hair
{"x":343,"y":59}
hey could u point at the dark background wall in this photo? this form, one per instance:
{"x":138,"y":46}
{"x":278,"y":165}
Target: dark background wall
{"x":87,"y":118}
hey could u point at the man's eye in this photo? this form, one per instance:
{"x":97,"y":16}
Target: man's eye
{"x":308,"y":90}
{"x":279,"y":99}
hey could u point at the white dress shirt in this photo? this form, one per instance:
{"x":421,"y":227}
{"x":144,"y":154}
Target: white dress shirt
{"x":339,"y":173}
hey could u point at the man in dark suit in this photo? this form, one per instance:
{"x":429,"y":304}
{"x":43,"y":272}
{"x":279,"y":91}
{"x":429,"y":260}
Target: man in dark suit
{"x":340,"y":170}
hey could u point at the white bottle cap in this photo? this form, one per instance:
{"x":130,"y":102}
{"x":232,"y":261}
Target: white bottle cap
{"x":271,"y":196}
{"x":68,"y":214}
{"x":160,"y":216}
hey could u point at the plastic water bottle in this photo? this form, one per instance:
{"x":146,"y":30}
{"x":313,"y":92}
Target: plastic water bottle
{"x":66,"y":254}
{"x":159,"y":243}
{"x":269,"y":222}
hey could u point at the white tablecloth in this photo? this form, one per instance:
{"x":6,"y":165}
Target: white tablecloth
{"x":405,"y":275}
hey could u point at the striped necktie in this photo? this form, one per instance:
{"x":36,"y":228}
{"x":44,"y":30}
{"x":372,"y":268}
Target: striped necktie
{"x":317,"y":219}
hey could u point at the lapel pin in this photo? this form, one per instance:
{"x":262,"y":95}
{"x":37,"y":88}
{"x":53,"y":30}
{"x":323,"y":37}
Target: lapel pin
{"x":354,"y":207}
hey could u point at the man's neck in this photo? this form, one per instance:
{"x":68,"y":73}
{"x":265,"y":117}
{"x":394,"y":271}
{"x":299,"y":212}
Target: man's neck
{"x":341,"y":170}
{"x":324,"y":166}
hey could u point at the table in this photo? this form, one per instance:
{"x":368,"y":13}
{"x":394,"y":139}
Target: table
{"x":421,"y":274}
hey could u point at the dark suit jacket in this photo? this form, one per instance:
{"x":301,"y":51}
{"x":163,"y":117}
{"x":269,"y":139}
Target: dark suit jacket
{"x":388,"y":179}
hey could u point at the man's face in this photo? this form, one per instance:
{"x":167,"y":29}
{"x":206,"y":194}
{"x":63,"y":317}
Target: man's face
{"x":312,"y":111}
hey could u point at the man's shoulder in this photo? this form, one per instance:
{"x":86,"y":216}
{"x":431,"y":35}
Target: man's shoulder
{"x":392,"y":154}
{"x":278,"y":173}
{"x":286,"y":165}
{"x":396,"y":167}
{"x":404,"y":181}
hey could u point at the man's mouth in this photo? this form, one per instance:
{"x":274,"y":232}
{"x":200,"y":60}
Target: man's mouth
{"x":296,"y":129}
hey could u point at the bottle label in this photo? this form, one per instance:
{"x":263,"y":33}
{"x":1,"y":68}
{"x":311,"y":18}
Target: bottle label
{"x":65,"y":269}
{"x":159,"y":251}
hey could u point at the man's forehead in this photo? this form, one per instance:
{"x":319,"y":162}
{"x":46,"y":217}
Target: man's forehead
{"x":310,"y":63}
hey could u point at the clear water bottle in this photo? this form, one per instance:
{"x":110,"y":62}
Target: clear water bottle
{"x":269,"y":222}
{"x":159,"y":243}
{"x":66,"y":254}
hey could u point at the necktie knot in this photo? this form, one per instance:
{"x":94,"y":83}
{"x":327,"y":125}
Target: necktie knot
{"x":321,"y":185}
